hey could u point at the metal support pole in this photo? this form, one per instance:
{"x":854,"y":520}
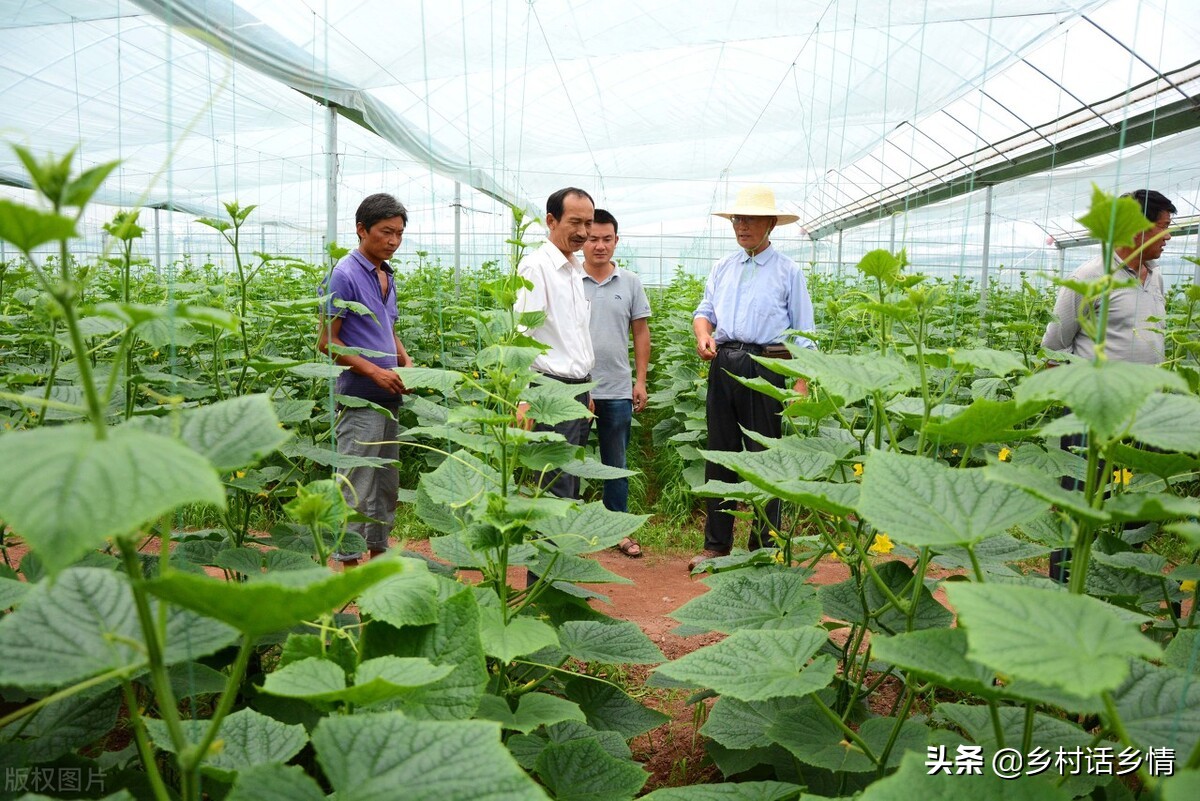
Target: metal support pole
{"x":157,"y":242}
{"x":331,"y":168}
{"x":839,"y":258}
{"x":892,"y":241}
{"x":1062,"y":262}
{"x":1196,"y":270}
{"x":987,"y":244}
{"x":457,"y":234}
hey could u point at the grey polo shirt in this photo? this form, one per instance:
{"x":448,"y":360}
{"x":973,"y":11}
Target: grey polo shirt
{"x":616,"y":303}
{"x":1135,"y":318}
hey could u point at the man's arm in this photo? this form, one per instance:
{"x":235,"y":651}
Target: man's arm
{"x":1064,"y":326}
{"x":641,"y":361}
{"x":386,"y":379}
{"x":706,"y":346}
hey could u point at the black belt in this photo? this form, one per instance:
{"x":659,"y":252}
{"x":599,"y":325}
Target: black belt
{"x":752,"y":347}
{"x":563,"y":379}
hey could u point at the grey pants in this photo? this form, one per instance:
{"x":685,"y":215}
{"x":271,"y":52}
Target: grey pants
{"x":372,"y":491}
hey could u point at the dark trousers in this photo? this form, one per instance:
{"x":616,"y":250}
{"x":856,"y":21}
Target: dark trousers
{"x":560,"y":484}
{"x":731,"y":407}
{"x":614,"y":423}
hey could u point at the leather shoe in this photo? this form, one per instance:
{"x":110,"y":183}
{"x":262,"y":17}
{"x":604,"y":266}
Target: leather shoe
{"x":704,"y":556}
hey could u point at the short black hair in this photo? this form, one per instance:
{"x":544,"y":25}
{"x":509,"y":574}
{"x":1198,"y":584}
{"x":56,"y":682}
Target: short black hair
{"x":1152,"y":203}
{"x":604,"y":217}
{"x":381,"y":206}
{"x":554,"y":203}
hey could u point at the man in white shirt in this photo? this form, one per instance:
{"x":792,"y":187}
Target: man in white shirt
{"x":557,"y":278}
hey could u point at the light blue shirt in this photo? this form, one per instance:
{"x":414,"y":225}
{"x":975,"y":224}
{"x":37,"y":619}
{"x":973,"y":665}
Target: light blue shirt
{"x":756,"y":299}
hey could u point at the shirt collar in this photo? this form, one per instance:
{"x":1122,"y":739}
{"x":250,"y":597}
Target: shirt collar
{"x":365,"y":263}
{"x":611,"y":276}
{"x":759,"y":258}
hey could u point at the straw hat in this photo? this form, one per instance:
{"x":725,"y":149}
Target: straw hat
{"x":756,"y":201}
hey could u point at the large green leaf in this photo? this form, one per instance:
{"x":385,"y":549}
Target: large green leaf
{"x":444,"y":381}
{"x":743,"y":724}
{"x":914,"y":779}
{"x":1104,"y":396}
{"x":773,"y":465}
{"x":993,"y":554}
{"x":983,"y":421}
{"x":1164,"y":465}
{"x":527,"y":748}
{"x":609,"y":708}
{"x":102,"y":488}
{"x":1169,"y":422}
{"x":1183,"y":786}
{"x":553,"y":402}
{"x":1071,"y":641}
{"x":1040,"y":485}
{"x":841,"y":601}
{"x":818,"y":741}
{"x":1160,"y":708}
{"x":1115,"y":220}
{"x":460,"y":481}
{"x":581,"y":770}
{"x":406,"y":599}
{"x":376,"y":680}
{"x":27,"y":228}
{"x":938,"y":655}
{"x":275,"y":782}
{"x":84,"y":623}
{"x":731,"y":791}
{"x":327,"y":456}
{"x":453,"y":640}
{"x":66,"y":725}
{"x":273,"y":601}
{"x":1000,"y":362}
{"x":244,"y":739}
{"x":921,"y":502}
{"x":231,"y":434}
{"x":850,"y":378}
{"x":611,"y":641}
{"x":757,"y":665}
{"x":590,"y":528}
{"x":522,"y":635}
{"x":375,"y":757}
{"x":1184,"y":651}
{"x":756,"y":599}
{"x":557,"y":566}
{"x":1130,"y":506}
{"x":533,"y":710}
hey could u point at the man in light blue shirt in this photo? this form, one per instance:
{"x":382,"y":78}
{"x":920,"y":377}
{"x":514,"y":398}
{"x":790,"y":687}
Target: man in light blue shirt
{"x":752,"y":299}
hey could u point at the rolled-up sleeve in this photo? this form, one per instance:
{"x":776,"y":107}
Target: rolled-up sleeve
{"x":707,"y":309}
{"x":800,"y":309}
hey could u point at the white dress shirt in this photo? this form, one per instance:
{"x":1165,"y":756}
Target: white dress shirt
{"x":558,"y":291}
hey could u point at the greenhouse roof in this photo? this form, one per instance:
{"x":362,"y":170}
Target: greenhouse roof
{"x":850,"y":109}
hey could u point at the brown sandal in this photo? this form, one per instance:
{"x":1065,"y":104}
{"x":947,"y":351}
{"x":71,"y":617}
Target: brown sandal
{"x":629,"y":546}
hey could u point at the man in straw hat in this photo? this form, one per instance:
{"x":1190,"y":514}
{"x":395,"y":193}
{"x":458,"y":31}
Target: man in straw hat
{"x":751,"y":300}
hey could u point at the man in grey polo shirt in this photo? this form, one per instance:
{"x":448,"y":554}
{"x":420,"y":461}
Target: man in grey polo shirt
{"x":364,"y":341}
{"x":1134,"y":331}
{"x":619,"y":306}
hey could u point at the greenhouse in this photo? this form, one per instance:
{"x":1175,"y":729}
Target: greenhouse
{"x":268,"y":533}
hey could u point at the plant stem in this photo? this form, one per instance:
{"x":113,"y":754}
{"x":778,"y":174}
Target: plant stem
{"x":144,"y":748}
{"x":850,"y":733}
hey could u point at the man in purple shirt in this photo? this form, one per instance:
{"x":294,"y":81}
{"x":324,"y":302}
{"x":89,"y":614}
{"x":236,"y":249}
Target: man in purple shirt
{"x":362,"y":338}
{"x":751,"y":300}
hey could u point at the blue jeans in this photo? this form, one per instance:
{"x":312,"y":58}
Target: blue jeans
{"x":614,"y":420}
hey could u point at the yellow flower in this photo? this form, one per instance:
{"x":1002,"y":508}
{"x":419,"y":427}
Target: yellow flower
{"x":843,"y":548}
{"x":858,"y":469}
{"x":882,"y":544}
{"x":154,"y":355}
{"x":1005,"y":454}
{"x":1122,"y":476}
{"x":1188,"y":586}
{"x":240,"y":474}
{"x":954,"y":451}
{"x":778,"y":557}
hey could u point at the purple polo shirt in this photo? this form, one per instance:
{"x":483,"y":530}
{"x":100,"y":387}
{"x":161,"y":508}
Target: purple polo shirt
{"x":354,"y":279}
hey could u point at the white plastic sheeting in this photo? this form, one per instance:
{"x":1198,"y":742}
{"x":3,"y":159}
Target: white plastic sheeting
{"x":662,"y":109}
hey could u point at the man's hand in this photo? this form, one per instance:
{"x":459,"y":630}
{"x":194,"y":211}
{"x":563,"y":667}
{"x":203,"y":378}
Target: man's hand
{"x":388,"y":380}
{"x":523,"y":420}
{"x":706,"y":347}
{"x":639,"y":396}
